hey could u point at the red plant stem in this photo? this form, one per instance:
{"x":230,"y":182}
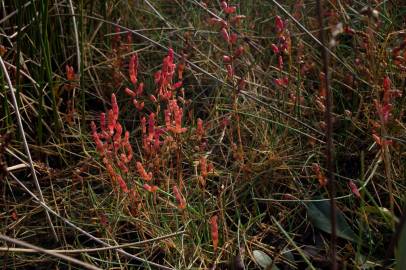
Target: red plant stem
{"x":329,"y":136}
{"x":235,"y":104}
{"x":178,"y":161}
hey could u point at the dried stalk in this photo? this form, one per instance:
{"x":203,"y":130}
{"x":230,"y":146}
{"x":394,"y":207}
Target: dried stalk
{"x":329,"y":136}
{"x":27,"y":149}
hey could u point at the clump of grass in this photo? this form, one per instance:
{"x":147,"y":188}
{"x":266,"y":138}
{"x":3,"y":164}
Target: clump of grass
{"x":235,"y":152}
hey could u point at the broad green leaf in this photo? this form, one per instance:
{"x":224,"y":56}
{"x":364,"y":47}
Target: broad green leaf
{"x":319,"y":215}
{"x":263,"y":260}
{"x":401,"y":250}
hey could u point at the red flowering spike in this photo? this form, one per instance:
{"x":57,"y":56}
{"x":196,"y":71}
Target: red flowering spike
{"x":225,"y":35}
{"x":170,"y":54}
{"x":386,"y":83}
{"x":129,"y":92}
{"x":157,"y":76}
{"x":279,"y":24}
{"x":176,"y":113}
{"x":122,"y":183}
{"x":278,"y":82}
{"x":153,"y":98}
{"x":241,"y":84}
{"x":377,"y":139}
{"x":238,"y":52}
{"x":226,"y":59}
{"x":147,"y":187}
{"x":114,"y":106}
{"x":177,"y":85}
{"x":320,"y":176}
{"x":151,"y":126}
{"x":230,"y":71}
{"x":132,"y":68}
{"x":168,"y":123}
{"x":233,"y":38}
{"x":230,"y":10}
{"x":118,"y":131}
{"x":210,"y":167}
{"x":275,"y":49}
{"x":214,"y":232}
{"x":138,"y":105}
{"x":179,"y":198}
{"x":181,"y":68}
{"x":70,"y":73}
{"x":96,"y":138}
{"x":200,"y":128}
{"x":203,"y":167}
{"x":121,"y":164}
{"x":354,"y":189}
{"x":224,"y":5}
{"x":143,"y":125}
{"x":111,"y":121}
{"x":280,"y":62}
{"x":143,"y":174}
{"x":157,"y":142}
{"x":140,"y":89}
{"x":103,"y":122}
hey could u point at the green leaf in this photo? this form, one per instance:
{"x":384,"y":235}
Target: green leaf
{"x":401,"y":250}
{"x":263,"y":260}
{"x":319,"y":215}
{"x":362,"y":262}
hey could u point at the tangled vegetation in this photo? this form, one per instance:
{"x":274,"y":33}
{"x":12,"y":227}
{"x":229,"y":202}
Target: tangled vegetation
{"x":208,"y":134}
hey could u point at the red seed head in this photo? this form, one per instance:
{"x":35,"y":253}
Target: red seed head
{"x":354,"y":189}
{"x":230,"y":10}
{"x":280,"y":62}
{"x":200,"y":128}
{"x":70,"y":73}
{"x":226,"y":59}
{"x":238,"y":52}
{"x":179,"y":198}
{"x":114,"y":105}
{"x":170,"y":54}
{"x":122,"y":183}
{"x":225,"y":35}
{"x":214,"y":232}
{"x":279,"y":24}
{"x":181,"y":68}
{"x":386,"y":83}
{"x":103,"y":122}
{"x":275,"y":49}
{"x":224,"y":5}
{"x":147,"y":187}
{"x":230,"y":71}
{"x":132,"y":68}
{"x":129,"y":92}
{"x":233,"y":38}
{"x":177,"y":85}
